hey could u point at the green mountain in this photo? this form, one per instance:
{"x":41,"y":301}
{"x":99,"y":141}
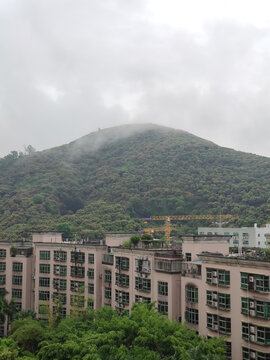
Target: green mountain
{"x":109,"y":179}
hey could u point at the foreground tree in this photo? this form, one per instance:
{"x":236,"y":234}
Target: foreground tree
{"x":103,"y":335}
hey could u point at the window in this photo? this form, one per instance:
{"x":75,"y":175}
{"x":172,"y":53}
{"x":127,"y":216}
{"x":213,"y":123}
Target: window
{"x":77,"y":286}
{"x":143,"y":265}
{"x":60,"y":255}
{"x":163,"y":307}
{"x":44,"y":295}
{"x":60,"y":270}
{"x":17,"y":267}
{"x":142,"y":284}
{"x":248,"y":354}
{"x":219,"y":323}
{"x":224,"y":301}
{"x":44,"y":268}
{"x":91,"y":258}
{"x":44,"y":282}
{"x":162,"y":288}
{"x":90,"y":303}
{"x":168,"y":265}
{"x":60,"y":284}
{"x":255,"y":308}
{"x":188,"y":256}
{"x":77,"y":271}
{"x":255,"y":282}
{"x":256,"y":334}
{"x":122,"y":297}
{"x":122,"y":262}
{"x":262,"y":283}
{"x":60,"y":297}
{"x":2,"y":266}
{"x":77,"y":256}
{"x":192,"y":316}
{"x":140,"y":299}
{"x":17,"y":293}
{"x":122,"y":280}
{"x":17,"y":280}
{"x":228,"y":349}
{"x":77,"y":300}
{"x":3,"y":253}
{"x":2,"y":279}
{"x":108,"y":276}
{"x":108,"y":293}
{"x":218,"y":276}
{"x":91,"y":273}
{"x":107,"y":259}
{"x":191,"y":294}
{"x":44,"y":255}
{"x":90,"y":288}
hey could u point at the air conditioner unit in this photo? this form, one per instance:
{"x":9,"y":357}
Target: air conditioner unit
{"x":252,"y":329}
{"x":214,"y":303}
{"x":251,"y":279}
{"x":33,"y":277}
{"x":251,"y":304}
{"x":121,"y":306}
{"x":215,"y":327}
{"x":214,"y":273}
{"x":214,"y":281}
{"x":252,"y":338}
{"x":214,"y":296}
{"x":252,"y":355}
{"x":143,"y":276}
{"x":120,"y":295}
{"x":252,"y":312}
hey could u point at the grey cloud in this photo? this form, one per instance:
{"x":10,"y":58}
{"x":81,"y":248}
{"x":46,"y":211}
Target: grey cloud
{"x":67,"y":68}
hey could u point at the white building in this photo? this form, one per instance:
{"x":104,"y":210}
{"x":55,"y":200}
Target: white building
{"x":241,"y":237}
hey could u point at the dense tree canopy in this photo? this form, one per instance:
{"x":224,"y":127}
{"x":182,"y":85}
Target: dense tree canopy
{"x":104,"y":335}
{"x":106,"y":182}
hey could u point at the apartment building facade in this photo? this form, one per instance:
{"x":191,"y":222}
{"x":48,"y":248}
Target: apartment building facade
{"x":213,"y":292}
{"x":228,"y":296}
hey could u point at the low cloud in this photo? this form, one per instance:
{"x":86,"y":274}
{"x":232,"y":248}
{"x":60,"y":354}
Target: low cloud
{"x":70,"y":68}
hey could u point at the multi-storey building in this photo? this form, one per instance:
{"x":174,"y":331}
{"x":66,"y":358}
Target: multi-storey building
{"x":203,"y":285}
{"x":224,"y":295}
{"x":241,"y":237}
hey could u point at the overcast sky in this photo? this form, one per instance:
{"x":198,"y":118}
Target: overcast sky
{"x":68,"y":67}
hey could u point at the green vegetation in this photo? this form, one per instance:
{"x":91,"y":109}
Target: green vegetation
{"x":108,"y":180}
{"x":104,"y":335}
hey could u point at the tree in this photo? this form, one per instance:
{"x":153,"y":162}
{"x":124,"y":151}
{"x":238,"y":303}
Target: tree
{"x":135,"y":239}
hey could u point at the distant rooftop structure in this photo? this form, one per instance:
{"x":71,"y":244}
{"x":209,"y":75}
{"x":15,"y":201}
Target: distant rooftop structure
{"x":242,"y":236}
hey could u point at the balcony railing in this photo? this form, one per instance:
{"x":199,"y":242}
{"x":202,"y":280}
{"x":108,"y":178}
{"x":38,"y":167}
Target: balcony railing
{"x":168,"y":265}
{"x":107,"y":259}
{"x":192,"y":270}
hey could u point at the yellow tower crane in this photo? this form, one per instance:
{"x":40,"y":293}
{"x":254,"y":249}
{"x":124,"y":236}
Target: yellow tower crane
{"x":167,"y":221}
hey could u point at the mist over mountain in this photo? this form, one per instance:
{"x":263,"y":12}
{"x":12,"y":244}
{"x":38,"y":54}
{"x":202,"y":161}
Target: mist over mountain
{"x":109,"y":179}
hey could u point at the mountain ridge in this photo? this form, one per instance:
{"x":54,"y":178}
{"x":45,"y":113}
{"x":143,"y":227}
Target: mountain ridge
{"x":125,"y":173}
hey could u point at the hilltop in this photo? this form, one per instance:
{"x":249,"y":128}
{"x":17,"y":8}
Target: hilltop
{"x":109,"y":179}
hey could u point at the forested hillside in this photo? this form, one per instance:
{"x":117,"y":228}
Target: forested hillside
{"x":108,"y":180}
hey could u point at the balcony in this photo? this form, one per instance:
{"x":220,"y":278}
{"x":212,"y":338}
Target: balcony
{"x":107,"y":259}
{"x":192,"y":269}
{"x":168,"y":263}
